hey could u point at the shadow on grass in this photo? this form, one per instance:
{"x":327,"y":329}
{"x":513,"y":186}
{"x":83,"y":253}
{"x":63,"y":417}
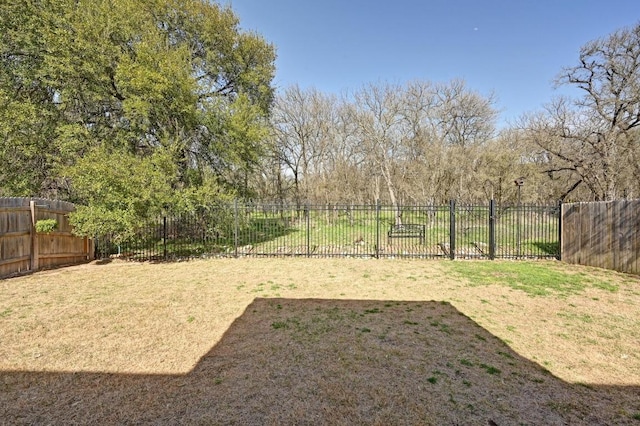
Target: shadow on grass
{"x":314,"y":361}
{"x":261,"y":230}
{"x":194,"y":239}
{"x":550,"y":248}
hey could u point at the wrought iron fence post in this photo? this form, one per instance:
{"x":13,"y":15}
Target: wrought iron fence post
{"x":306,"y":213}
{"x":377,"y":229}
{"x":452,"y":229}
{"x":518,"y":224}
{"x":235,"y":227}
{"x":492,"y":229}
{"x":164,"y":237}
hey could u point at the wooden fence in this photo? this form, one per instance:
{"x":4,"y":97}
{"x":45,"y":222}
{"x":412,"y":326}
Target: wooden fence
{"x":602,"y":234}
{"x":23,"y":249}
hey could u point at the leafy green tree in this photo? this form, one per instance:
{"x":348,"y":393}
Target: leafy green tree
{"x":172,"y":90}
{"x":129,"y":188}
{"x":27,"y":109}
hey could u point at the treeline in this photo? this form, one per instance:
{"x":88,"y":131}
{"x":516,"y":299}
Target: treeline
{"x":130,"y":109}
{"x":415,"y":143}
{"x":428,"y":142}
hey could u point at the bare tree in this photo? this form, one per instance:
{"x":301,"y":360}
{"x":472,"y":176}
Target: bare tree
{"x":448,"y":126}
{"x":300,"y":122}
{"x":591,"y":137}
{"x":417,"y":142}
{"x":378,"y":117}
{"x":423,"y":152}
{"x":345,"y":176}
{"x":464,"y":117}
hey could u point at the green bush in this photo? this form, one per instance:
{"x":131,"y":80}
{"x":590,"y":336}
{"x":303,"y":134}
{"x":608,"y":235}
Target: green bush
{"x":46,"y":225}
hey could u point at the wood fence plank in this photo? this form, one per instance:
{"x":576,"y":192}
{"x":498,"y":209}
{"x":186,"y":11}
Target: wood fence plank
{"x":569,"y":237}
{"x":602,"y":234}
{"x":14,"y":260}
{"x":628,"y":236}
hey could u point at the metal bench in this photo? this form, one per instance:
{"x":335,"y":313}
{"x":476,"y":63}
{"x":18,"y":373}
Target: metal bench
{"x":407,"y":230}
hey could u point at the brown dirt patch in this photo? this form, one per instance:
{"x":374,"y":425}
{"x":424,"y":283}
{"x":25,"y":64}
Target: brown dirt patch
{"x":323,"y":341}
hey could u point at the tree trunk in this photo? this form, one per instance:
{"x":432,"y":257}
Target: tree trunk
{"x":392,"y":193}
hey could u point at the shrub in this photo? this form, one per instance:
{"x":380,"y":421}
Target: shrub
{"x":46,"y":225}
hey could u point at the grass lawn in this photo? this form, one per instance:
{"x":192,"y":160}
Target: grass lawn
{"x":321,"y":341}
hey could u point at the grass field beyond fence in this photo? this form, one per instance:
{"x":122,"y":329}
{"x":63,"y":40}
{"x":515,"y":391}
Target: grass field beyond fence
{"x":347,"y":231}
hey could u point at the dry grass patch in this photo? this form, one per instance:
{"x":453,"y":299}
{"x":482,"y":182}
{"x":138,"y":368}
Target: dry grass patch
{"x":334,"y":341}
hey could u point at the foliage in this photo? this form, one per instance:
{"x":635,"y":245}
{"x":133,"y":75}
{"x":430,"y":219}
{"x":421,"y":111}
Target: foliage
{"x":46,"y":225}
{"x":119,"y":189}
{"x":128,"y":106}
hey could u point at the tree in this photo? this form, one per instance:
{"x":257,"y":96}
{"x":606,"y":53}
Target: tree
{"x":130,"y":189}
{"x":463,"y":117}
{"x":27,"y":108}
{"x":379,"y":121}
{"x":133,"y":82}
{"x":300,"y":122}
{"x":463,"y":122}
{"x":395,"y":143}
{"x":592,"y":137}
{"x":423,"y":139}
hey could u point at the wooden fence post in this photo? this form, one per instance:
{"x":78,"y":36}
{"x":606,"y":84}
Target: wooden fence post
{"x":89,"y":248}
{"x":34,"y":252}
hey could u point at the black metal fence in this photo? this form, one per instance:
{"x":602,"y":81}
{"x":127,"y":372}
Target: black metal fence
{"x":444,"y":231}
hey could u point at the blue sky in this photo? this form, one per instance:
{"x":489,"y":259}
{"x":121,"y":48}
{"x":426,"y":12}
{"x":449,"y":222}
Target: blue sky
{"x":512,"y":48}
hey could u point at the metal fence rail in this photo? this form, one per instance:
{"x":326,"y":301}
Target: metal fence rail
{"x":419,"y":231}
